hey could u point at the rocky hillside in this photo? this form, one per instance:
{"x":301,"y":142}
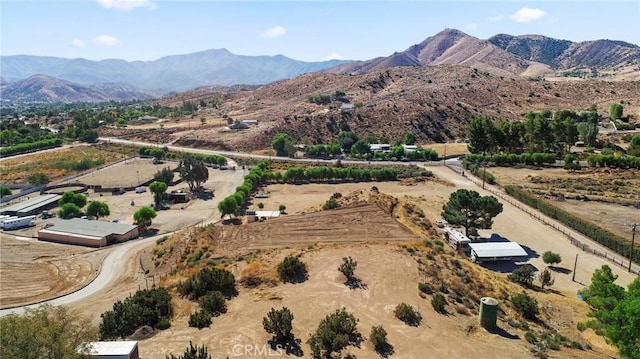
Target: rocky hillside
{"x":41,"y":88}
{"x":436,"y":103}
{"x":563,"y":54}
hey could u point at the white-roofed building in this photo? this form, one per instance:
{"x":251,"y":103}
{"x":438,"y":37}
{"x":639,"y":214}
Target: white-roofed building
{"x":111,"y":350}
{"x":496,"y":251}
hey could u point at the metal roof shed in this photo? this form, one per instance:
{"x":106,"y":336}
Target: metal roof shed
{"x":113,"y":350}
{"x":496,"y":251}
{"x":32,"y":205}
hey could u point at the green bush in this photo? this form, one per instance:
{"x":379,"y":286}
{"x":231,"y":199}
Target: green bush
{"x":522,"y":275}
{"x":207,"y":280}
{"x":200,"y":319}
{"x":526,"y":305}
{"x":425,"y":288}
{"x":378,"y":338}
{"x":292,"y":270}
{"x":335,"y":332}
{"x":407,"y":314}
{"x":214,"y":303}
{"x":163,"y":324}
{"x":438,"y":302}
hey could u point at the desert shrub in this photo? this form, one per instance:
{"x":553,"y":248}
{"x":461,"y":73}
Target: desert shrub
{"x":425,"y":288}
{"x":161,"y":239}
{"x":526,"y":305}
{"x":208,"y":279}
{"x":330,"y":204}
{"x":438,"y":302}
{"x":407,"y":314}
{"x":200,"y":319}
{"x":378,"y":338}
{"x":278,"y":323}
{"x":348,"y":267}
{"x":335,"y":332}
{"x":292,"y":270}
{"x":192,"y":352}
{"x":145,"y":307}
{"x":530,"y":337}
{"x":522,"y":275}
{"x":164,"y":324}
{"x":214,"y":303}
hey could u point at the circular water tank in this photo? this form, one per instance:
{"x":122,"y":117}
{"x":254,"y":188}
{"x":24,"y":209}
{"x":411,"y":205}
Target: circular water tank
{"x":488,"y":312}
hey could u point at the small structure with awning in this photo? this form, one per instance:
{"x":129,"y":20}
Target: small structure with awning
{"x":496,"y":251}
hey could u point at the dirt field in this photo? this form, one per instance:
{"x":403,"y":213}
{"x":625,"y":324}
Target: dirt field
{"x":602,"y":186}
{"x":127,"y":174}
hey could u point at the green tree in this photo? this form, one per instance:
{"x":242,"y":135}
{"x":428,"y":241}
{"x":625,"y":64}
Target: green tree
{"x":472,"y":211}
{"x":5,"y":191}
{"x":192,"y":352}
{"x":634,"y":146}
{"x":334,"y":333}
{"x":98,"y":209}
{"x":481,"y":134}
{"x":348,"y":267}
{"x":622,"y":324}
{"x":409,"y":138}
{"x":526,"y":305}
{"x":278,"y":322}
{"x":283,"y":144}
{"x":545,"y":278}
{"x":603,"y":293}
{"x":143,"y":216}
{"x":164,"y":175}
{"x":193,"y":171}
{"x":360,"y":148}
{"x":69,"y":210}
{"x":228,"y":206}
{"x":551,"y":258}
{"x":78,"y":199}
{"x":523,"y":275}
{"x":615,"y":110}
{"x":282,"y":208}
{"x":38,"y":178}
{"x":292,"y":270}
{"x":46,"y":332}
{"x":158,"y":189}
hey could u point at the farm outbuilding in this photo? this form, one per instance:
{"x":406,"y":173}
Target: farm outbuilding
{"x":89,"y":233}
{"x":32,"y":206}
{"x":126,"y":349}
{"x":496,"y":251}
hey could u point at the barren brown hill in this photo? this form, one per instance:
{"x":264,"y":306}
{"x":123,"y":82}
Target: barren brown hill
{"x":436,"y":103}
{"x":448,"y":47}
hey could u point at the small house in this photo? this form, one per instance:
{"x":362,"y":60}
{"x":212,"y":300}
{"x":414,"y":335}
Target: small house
{"x":127,"y":349}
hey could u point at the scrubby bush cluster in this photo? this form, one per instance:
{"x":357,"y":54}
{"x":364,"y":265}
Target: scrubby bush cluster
{"x":292,"y":269}
{"x":208,"y":280}
{"x":145,"y":307}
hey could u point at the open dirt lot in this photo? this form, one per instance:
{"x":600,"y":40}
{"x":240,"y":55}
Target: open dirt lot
{"x":612,"y":193}
{"x":130,"y":173}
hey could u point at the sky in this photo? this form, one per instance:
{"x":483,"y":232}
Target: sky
{"x":300,"y":29}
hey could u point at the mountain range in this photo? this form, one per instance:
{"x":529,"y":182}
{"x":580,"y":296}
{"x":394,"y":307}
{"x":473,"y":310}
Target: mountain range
{"x":51,"y":79}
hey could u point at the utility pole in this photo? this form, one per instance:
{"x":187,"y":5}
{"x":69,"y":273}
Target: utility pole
{"x":575,"y":264}
{"x":633,"y":239}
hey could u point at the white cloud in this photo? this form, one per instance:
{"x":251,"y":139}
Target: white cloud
{"x":77,"y":43}
{"x":126,"y":4}
{"x":472,"y":26}
{"x":274,"y":32}
{"x":526,"y":14}
{"x":334,"y":56}
{"x":106,"y":40}
{"x":495,"y":18}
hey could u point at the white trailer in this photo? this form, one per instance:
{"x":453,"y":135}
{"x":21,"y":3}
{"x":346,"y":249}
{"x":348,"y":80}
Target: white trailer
{"x":6,"y":218}
{"x":19,"y":222}
{"x":457,"y":240}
